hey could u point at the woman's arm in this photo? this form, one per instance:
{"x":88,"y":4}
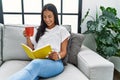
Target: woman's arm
{"x":28,"y":41}
{"x":63,"y":50}
{"x":62,"y":53}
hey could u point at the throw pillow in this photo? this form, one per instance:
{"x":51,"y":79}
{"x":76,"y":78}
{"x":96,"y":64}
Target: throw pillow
{"x":74,"y":46}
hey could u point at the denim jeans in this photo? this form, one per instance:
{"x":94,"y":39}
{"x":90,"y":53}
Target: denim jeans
{"x":37,"y":68}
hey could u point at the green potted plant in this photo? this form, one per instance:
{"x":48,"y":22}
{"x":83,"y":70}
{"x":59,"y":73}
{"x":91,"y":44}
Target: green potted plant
{"x":106,"y":31}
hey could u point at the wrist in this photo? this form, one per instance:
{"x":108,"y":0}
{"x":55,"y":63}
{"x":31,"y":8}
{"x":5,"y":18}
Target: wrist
{"x":27,"y":38}
{"x":59,"y":56}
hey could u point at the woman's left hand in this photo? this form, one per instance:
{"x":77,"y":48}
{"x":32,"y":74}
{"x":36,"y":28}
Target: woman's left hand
{"x":53,"y":55}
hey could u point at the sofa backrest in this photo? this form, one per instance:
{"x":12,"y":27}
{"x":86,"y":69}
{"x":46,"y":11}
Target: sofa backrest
{"x":89,"y":38}
{"x":12,"y":39}
{"x":68,"y":27}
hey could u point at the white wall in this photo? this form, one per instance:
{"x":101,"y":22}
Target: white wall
{"x":94,"y":5}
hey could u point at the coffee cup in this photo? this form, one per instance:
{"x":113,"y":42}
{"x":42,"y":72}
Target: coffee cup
{"x":29,"y":30}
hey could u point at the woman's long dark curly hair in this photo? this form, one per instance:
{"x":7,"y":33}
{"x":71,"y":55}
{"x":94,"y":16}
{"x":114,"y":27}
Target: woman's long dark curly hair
{"x":41,"y":29}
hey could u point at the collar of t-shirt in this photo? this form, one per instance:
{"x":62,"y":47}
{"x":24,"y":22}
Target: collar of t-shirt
{"x":51,"y":28}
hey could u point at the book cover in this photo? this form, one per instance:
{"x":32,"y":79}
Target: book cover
{"x":42,"y":52}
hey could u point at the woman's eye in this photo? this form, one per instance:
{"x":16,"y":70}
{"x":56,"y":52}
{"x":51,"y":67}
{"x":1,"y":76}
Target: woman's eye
{"x":50,"y":16}
{"x":44,"y":16}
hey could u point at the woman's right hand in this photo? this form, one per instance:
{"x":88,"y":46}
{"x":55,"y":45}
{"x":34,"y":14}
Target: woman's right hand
{"x":53,"y":55}
{"x":28,"y":41}
{"x":24,"y":34}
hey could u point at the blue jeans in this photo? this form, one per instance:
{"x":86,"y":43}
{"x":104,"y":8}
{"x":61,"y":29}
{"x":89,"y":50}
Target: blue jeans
{"x":37,"y":68}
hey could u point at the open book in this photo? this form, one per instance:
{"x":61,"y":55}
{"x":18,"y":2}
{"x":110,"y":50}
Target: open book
{"x":42,"y":52}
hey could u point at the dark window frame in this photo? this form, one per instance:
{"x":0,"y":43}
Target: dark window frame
{"x":79,"y":14}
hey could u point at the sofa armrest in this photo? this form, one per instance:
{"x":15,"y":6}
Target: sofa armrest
{"x":94,"y":66}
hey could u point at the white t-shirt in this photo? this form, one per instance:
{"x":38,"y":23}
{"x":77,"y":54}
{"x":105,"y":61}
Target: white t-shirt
{"x":54,"y":37}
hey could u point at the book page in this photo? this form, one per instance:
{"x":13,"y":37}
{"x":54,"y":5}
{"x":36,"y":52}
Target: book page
{"x":38,"y":53}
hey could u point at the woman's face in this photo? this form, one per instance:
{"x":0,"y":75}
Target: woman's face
{"x":48,"y":18}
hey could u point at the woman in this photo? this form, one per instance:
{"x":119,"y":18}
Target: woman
{"x":49,"y":32}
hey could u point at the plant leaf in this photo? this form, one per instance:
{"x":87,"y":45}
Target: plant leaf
{"x":110,"y":51}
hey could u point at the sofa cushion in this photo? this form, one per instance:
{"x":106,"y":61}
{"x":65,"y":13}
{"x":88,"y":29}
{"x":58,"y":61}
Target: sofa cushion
{"x":70,"y":72}
{"x":68,"y":27}
{"x":74,"y":46}
{"x":10,"y":67}
{"x":13,"y":37}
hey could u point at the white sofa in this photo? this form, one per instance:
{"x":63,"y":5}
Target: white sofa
{"x":91,"y":66}
{"x":114,"y":59}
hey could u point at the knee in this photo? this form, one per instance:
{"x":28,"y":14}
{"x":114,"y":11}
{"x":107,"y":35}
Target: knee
{"x":34,"y":64}
{"x":37,"y":62}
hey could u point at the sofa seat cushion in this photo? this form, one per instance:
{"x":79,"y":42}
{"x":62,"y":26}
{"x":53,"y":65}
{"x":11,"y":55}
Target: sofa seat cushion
{"x":70,"y":73}
{"x":10,"y":67}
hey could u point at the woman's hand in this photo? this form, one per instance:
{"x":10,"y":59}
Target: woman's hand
{"x":53,"y":55}
{"x":25,"y":35}
{"x":28,"y":41}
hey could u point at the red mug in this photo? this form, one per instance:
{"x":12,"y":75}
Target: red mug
{"x":29,"y":31}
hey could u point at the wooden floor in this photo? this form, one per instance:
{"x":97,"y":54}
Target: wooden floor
{"x":116,"y":75}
